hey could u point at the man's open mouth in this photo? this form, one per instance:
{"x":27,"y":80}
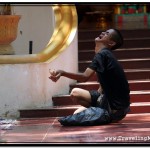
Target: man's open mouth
{"x":100,"y":36}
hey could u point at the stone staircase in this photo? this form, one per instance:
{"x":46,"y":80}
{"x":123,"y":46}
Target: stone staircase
{"x":135,"y":59}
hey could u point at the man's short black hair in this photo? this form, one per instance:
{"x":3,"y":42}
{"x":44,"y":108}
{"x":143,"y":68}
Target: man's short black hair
{"x":118,"y":38}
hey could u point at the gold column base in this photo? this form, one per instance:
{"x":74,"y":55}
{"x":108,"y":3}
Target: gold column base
{"x":6,"y":49}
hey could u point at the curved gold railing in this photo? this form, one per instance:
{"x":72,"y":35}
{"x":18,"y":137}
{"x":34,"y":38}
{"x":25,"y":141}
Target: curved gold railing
{"x":64,"y":32}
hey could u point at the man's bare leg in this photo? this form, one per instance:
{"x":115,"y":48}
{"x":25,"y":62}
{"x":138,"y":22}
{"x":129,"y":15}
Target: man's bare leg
{"x":82,"y":97}
{"x":79,"y":110}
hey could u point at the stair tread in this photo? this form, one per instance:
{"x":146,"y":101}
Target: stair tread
{"x":140,"y":104}
{"x":65,"y":107}
{"x":140,"y":92}
{"x":130,"y":59}
{"x":121,"y":49}
{"x":134,"y":59}
{"x":137,"y":70}
{"x":131,"y":92}
{"x":135,"y":85}
{"x":127,"y":117}
{"x":54,"y":107}
{"x":122,"y":30}
{"x":78,"y":106}
{"x":125,"y":39}
{"x":95,"y":82}
{"x":134,"y":49}
{"x":139,"y":81}
{"x":59,"y":111}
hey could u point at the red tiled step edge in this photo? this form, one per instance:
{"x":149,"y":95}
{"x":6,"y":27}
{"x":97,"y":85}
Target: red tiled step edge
{"x":135,"y":63}
{"x":59,"y":111}
{"x":143,"y":107}
{"x":128,"y":53}
{"x":56,"y":111}
{"x":126,"y":63}
{"x":136,"y":96}
{"x":131,"y":74}
{"x":139,"y":85}
{"x":134,"y":85}
{"x":135,"y":74}
{"x":136,"y":33}
{"x":128,"y":43}
{"x":140,"y":96}
{"x":131,"y":53}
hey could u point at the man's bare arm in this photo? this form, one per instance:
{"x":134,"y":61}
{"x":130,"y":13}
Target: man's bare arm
{"x":82,"y":77}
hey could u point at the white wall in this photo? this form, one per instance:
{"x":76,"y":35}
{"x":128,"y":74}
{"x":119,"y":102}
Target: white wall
{"x":25,"y":86}
{"x":36,"y":24}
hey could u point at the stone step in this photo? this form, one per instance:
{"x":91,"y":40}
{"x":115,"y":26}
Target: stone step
{"x":135,"y":63}
{"x":59,"y":111}
{"x":131,"y":74}
{"x":140,"y":96}
{"x":84,"y":34}
{"x":143,"y":107}
{"x":130,"y":53}
{"x":135,"y":85}
{"x":137,"y":74}
{"x":128,"y":43}
{"x":139,"y":85}
{"x":126,"y":64}
{"x":135,"y":96}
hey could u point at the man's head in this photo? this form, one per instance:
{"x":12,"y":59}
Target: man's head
{"x":111,"y":38}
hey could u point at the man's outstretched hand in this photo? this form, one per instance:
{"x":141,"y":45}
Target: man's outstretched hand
{"x":54,"y":75}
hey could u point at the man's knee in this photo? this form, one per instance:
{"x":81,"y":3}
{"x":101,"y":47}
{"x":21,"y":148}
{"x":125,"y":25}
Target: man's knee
{"x":81,"y":97}
{"x":75,"y":92}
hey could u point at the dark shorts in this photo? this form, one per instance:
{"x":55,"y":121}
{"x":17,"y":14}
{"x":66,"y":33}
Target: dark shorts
{"x":116,"y":115}
{"x":94,"y":96}
{"x":98,"y":100}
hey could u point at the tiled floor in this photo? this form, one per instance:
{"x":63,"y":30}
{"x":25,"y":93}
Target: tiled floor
{"x":135,"y":128}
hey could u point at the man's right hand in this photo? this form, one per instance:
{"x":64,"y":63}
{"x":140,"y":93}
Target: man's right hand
{"x":81,"y":77}
{"x":54,"y":75}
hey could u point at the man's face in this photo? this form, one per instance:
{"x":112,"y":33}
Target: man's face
{"x":105,"y":37}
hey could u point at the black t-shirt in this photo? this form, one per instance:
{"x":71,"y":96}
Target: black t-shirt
{"x":112,"y":79}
